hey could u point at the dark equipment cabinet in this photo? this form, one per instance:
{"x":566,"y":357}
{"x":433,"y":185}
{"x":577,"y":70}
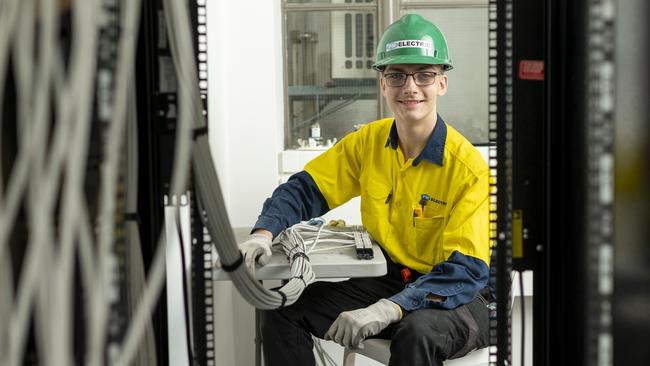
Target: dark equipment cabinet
{"x":528,"y":134}
{"x":529,"y":152}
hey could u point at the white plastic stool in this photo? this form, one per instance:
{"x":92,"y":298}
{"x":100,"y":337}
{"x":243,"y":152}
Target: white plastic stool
{"x":379,"y":350}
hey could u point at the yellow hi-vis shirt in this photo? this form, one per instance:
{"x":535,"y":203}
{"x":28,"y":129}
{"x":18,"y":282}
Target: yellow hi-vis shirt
{"x":450,"y":172}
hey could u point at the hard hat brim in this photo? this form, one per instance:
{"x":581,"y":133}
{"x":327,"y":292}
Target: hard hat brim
{"x":411,"y":59}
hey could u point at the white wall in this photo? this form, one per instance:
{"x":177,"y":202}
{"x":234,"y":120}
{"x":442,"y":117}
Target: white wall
{"x":245,"y":101}
{"x":245,"y":107}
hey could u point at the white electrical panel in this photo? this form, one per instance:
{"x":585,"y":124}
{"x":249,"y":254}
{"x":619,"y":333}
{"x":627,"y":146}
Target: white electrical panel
{"x":353,"y":43}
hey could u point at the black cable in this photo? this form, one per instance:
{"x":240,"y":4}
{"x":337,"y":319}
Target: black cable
{"x":185,"y":297}
{"x":522,"y":301}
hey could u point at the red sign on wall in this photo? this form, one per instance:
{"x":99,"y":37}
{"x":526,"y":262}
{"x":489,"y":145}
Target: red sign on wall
{"x":531,"y":70}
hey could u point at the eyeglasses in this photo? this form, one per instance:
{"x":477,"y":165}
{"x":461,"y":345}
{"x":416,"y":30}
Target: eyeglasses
{"x":421,"y":78}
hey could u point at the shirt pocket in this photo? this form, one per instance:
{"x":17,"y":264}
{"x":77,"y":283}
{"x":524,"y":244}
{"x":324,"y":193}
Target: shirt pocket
{"x":375,"y":197}
{"x":428,"y":238}
{"x":375,"y":209}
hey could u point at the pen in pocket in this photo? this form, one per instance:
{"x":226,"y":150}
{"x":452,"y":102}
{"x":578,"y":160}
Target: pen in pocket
{"x":417,"y":212}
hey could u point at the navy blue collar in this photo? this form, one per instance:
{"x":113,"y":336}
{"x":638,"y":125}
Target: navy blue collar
{"x":435,"y":148}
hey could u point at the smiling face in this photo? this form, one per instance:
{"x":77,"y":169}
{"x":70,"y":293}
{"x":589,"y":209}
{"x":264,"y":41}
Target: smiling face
{"x":412,"y":103}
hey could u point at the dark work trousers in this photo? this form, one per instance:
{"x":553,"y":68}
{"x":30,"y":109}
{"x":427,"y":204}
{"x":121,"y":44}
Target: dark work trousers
{"x":423,"y":337}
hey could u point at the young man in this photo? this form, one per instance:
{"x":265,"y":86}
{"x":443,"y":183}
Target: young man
{"x":424,"y":199}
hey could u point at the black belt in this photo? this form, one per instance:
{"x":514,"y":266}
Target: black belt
{"x":399,"y":271}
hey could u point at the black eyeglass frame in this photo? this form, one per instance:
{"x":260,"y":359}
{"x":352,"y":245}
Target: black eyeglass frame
{"x":413,"y":75}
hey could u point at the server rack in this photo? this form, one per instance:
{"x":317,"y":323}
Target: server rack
{"x":553,"y":134}
{"x":157,"y":87}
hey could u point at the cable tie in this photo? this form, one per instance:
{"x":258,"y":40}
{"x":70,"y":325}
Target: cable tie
{"x":234,"y":266}
{"x":132,"y":216}
{"x":284,"y":297}
{"x":299,"y":254}
{"x":301,"y":278}
{"x":198,"y":132}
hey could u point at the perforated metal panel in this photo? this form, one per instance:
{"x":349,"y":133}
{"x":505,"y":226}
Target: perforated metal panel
{"x":117,"y":279}
{"x":600,"y":180}
{"x":500,"y":135}
{"x":203,"y":336}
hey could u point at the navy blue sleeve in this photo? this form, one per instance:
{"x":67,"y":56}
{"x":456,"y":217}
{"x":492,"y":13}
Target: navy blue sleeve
{"x":457,"y":280}
{"x":492,"y":281}
{"x":296,"y":200}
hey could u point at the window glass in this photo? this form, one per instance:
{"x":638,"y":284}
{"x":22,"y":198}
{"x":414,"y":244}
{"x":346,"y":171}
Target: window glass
{"x":465,"y":106}
{"x":330,"y":84}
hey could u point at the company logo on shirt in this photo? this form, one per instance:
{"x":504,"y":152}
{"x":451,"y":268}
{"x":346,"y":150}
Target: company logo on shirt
{"x":440,"y":202}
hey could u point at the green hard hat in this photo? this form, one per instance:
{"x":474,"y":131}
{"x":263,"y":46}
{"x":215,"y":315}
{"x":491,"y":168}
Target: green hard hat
{"x":412,"y":40}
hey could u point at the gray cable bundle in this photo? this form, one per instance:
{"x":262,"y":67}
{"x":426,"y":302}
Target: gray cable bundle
{"x":42,"y":170}
{"x":207,"y":183}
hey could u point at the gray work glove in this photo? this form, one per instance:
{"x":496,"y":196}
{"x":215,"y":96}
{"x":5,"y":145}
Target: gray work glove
{"x":256,"y":248}
{"x":352,"y":327}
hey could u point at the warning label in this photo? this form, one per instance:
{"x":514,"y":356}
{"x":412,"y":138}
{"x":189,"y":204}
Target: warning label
{"x":531,"y":70}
